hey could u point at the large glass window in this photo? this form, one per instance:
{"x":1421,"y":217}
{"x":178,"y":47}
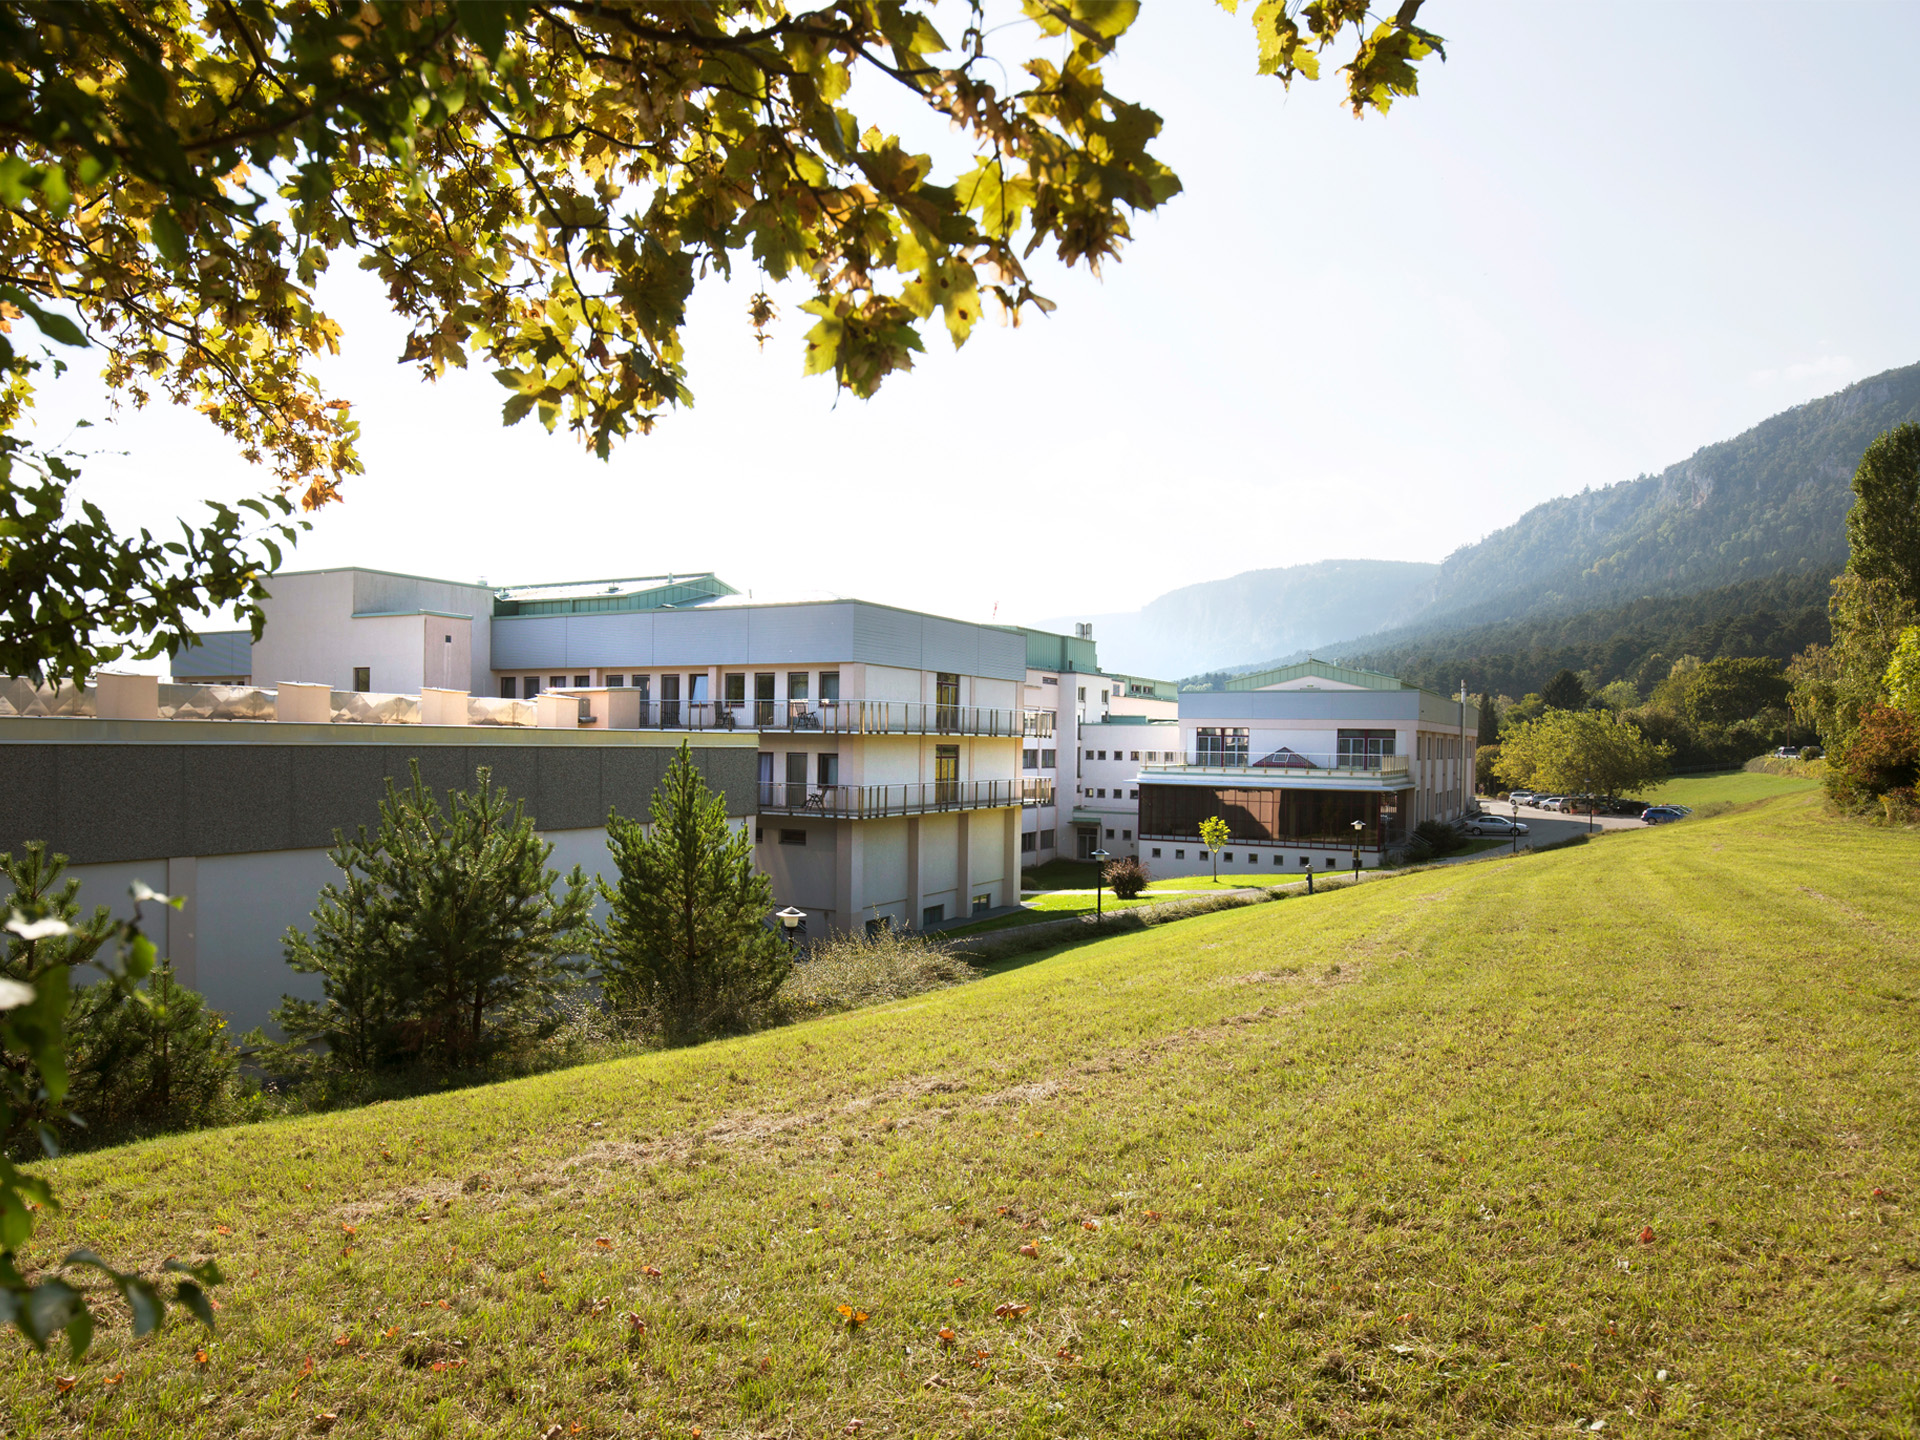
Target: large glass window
{"x":508,"y":684}
{"x":763,"y":698}
{"x":946,"y":696}
{"x":736,"y":689}
{"x":1365,"y":748}
{"x":1220,"y":745}
{"x":829,"y":687}
{"x":1268,"y":817}
{"x":828,"y":770}
{"x":946,"y":774}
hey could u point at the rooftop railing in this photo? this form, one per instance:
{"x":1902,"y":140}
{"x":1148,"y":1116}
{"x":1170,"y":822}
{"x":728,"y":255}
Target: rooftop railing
{"x":1250,"y":760}
{"x":874,"y":802}
{"x":1036,"y":792}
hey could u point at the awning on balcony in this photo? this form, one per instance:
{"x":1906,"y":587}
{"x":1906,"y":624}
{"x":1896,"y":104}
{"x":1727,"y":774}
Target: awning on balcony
{"x":1087,"y":817}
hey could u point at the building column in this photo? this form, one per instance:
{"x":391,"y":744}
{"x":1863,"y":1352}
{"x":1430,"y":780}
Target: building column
{"x":916,"y":888}
{"x":846,"y":884}
{"x":1010,"y":863}
{"x":965,"y":903}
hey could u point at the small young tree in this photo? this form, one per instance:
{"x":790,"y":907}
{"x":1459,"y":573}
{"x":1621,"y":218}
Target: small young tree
{"x":1564,"y":692}
{"x":446,"y":941}
{"x":686,"y":939}
{"x":1215,"y":832}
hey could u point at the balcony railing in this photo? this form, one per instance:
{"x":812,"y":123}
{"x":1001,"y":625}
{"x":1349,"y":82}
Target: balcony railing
{"x":1036,"y":792}
{"x":873,"y":802}
{"x":1251,"y":761}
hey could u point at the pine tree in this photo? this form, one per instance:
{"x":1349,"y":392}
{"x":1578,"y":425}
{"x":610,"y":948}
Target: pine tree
{"x":1883,"y":527}
{"x":686,"y":940}
{"x":446,"y":940}
{"x":1489,"y":733}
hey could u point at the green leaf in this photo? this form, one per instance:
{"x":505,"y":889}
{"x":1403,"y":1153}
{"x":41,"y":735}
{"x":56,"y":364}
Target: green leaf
{"x":141,"y":958}
{"x":51,"y":1307}
{"x":195,"y":1299}
{"x":144,"y":1301}
{"x":168,"y":237}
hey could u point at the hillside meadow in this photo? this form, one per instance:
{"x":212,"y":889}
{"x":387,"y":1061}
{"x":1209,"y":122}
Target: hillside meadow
{"x":1622,"y":1137}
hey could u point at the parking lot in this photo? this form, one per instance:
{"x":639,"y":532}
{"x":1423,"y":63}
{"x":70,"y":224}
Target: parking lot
{"x":1545,"y":826}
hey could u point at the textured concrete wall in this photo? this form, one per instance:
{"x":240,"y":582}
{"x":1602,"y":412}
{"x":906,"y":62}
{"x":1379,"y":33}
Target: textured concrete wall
{"x":107,"y":803}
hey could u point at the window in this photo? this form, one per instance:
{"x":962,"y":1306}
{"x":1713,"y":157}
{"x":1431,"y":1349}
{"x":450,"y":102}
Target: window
{"x":1089,"y":754}
{"x":1203,"y":854}
{"x":1126,"y":834}
{"x":1221,"y":745}
{"x":1329,"y":862}
{"x":796,"y":685}
{"x":983,"y":902}
{"x":1029,"y":759}
{"x":828,"y":769}
{"x":946,"y":699}
{"x":763,"y":698}
{"x":507,"y":687}
{"x":879,"y":925}
{"x":793,"y":837}
{"x":1227,"y":855}
{"x":1101,"y":794}
{"x":1049,"y":679}
{"x":1109,"y":834}
{"x":362,"y":678}
{"x":580,"y":682}
{"x":1364,"y":748}
{"x":557,"y":682}
{"x":1103,"y":754}
{"x":1136,"y":754}
{"x":616,"y":682}
{"x":736,"y":689}
{"x":946,"y":774}
{"x":698,"y":689}
{"x":1156,"y":852}
{"x":932,"y":915}
{"x":1103,"y":697}
{"x":797,"y":775}
{"x":1178,"y":854}
{"x":1026,"y":842}
{"x":1046,"y":839}
{"x":532,"y":687}
{"x":758,"y":834}
{"x":1304,"y":860}
{"x":1253,"y":859}
{"x":1133,"y":795}
{"x":829,"y":687}
{"x":670,"y":700}
{"x":1049,"y":759}
{"x":642,"y":683}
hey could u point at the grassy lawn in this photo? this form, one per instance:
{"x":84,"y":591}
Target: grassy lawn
{"x":1623,"y":1133}
{"x":1734,"y":786}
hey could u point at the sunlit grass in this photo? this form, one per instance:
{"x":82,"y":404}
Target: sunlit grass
{"x":1484,"y":1150}
{"x":1733,"y":786}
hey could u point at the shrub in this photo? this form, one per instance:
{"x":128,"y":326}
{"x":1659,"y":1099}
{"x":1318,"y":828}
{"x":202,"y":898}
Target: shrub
{"x":847,"y":970}
{"x":687,"y":943}
{"x":1880,"y":758}
{"x":444,"y":944}
{"x":1127,"y":877}
{"x":1432,"y":839}
{"x":155,"y":1062}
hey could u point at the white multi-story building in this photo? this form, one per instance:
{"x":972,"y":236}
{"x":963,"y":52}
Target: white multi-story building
{"x":1309,"y":765}
{"x":890,"y":784}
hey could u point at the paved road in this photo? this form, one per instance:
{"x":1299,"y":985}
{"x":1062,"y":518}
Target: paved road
{"x":1544,"y":826}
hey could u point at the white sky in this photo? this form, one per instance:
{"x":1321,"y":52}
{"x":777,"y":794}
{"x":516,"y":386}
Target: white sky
{"x":1602,"y":236}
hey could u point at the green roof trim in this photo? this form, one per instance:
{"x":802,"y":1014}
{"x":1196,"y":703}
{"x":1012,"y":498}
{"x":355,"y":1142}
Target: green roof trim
{"x":1326,"y":670}
{"x":685,"y":590}
{"x":1048,"y":651}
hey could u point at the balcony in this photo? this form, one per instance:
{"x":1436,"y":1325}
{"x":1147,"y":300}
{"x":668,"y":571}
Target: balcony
{"x":1278,"y":765}
{"x":826,"y":717}
{"x":1035,"y":793}
{"x":875,"y":802}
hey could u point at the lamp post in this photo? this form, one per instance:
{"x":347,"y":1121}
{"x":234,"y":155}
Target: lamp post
{"x":1516,"y":825}
{"x":1100,"y":858}
{"x":1359,"y":829}
{"x":791,"y":920}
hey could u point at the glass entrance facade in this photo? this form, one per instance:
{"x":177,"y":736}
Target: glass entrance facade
{"x":1275,"y":817}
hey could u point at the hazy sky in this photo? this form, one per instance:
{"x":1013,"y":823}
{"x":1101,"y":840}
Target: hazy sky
{"x":1603,"y":236}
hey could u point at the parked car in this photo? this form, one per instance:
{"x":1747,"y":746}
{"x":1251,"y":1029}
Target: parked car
{"x":1626,"y":807}
{"x":1787,"y":752}
{"x":1522,"y":797}
{"x":1664,"y":814}
{"x":1549,"y":802}
{"x":1494,"y":825}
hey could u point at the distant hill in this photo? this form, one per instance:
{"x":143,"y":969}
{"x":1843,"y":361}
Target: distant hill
{"x":1769,"y":505}
{"x":1222,"y":622}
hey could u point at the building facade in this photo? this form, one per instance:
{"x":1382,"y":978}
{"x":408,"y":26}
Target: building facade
{"x":889,"y":778}
{"x":1311,"y":765}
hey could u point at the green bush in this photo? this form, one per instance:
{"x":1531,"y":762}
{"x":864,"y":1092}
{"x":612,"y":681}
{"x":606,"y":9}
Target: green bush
{"x":1432,"y":840}
{"x":1127,"y":877}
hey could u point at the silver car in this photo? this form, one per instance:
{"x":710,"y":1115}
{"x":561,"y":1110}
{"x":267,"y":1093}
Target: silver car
{"x":1495,"y":825}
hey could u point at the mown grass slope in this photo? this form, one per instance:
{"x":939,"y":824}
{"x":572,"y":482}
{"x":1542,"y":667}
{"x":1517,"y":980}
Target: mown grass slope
{"x":1482,"y":1150}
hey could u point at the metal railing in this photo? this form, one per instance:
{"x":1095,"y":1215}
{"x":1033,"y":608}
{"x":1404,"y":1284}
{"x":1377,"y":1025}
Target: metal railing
{"x":1036,"y":792}
{"x":885,"y":717}
{"x":1253,"y":761}
{"x":872,"y":802}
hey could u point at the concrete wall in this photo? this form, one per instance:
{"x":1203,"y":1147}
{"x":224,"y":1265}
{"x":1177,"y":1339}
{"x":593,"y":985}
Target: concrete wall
{"x":323,"y":623}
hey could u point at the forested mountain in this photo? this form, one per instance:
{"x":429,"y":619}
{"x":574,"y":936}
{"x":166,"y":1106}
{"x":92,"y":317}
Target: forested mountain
{"x":1221,"y":622}
{"x":1726,"y":553}
{"x":1770,"y":502}
{"x":1637,"y":641}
